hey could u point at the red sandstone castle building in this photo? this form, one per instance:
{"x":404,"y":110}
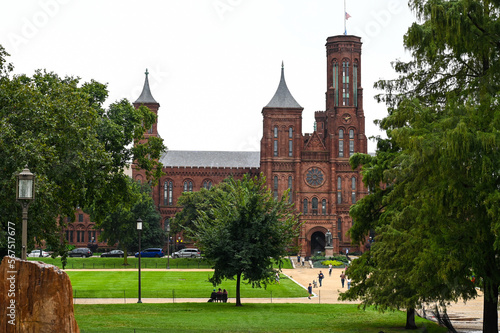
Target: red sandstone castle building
{"x":314,"y":166}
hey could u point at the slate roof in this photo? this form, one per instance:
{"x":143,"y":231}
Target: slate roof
{"x":146,"y":96}
{"x":215,"y":159}
{"x":283,"y":98}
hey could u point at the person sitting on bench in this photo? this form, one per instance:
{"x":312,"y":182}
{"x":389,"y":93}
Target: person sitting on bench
{"x":213,"y":296}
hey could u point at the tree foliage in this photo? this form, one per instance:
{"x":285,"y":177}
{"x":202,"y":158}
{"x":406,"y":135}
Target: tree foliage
{"x":120,"y":224}
{"x":244,"y":231}
{"x":437,"y":219}
{"x":77,"y":149}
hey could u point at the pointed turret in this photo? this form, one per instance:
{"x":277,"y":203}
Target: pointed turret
{"x":283,"y":98}
{"x":146,"y":97}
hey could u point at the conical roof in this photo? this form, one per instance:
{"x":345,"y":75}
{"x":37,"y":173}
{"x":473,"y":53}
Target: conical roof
{"x":283,"y":98}
{"x":146,"y":96}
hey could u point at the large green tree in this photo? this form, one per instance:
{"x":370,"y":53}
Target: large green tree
{"x":120,"y":224}
{"x":443,"y":194}
{"x":77,"y":149}
{"x":244,"y":231}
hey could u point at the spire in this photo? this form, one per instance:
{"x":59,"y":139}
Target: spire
{"x":146,"y":96}
{"x":283,"y":98}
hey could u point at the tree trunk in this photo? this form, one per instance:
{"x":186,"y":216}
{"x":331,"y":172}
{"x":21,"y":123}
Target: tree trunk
{"x":125,"y":255}
{"x":410,"y":319}
{"x":490,"y":310}
{"x":238,"y":281}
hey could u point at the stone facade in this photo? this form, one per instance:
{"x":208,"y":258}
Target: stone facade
{"x":314,"y":166}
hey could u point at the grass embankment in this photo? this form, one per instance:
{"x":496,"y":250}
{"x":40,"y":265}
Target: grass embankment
{"x":220,"y":317}
{"x":168,"y":284}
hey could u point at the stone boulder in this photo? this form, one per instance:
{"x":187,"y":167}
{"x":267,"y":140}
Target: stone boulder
{"x":35,"y":297}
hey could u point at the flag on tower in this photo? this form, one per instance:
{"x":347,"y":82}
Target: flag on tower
{"x":347,"y":15}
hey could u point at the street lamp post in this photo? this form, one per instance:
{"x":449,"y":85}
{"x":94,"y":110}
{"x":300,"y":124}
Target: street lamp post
{"x":25,"y":193}
{"x":139,"y":229}
{"x":167,"y":228}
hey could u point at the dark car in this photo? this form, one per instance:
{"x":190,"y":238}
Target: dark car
{"x":155,"y":252}
{"x":113,"y":253}
{"x":80,"y":252}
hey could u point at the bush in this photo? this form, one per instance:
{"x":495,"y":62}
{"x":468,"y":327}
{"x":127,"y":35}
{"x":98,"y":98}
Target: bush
{"x":334,"y":263}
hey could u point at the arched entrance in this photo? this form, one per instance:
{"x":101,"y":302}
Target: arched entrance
{"x":317,"y":242}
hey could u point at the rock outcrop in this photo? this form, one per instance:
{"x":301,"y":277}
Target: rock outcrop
{"x":35,"y":297}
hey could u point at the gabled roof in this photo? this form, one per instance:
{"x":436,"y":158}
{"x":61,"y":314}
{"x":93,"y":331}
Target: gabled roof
{"x":146,"y":96}
{"x":215,"y":159}
{"x":283,"y":98}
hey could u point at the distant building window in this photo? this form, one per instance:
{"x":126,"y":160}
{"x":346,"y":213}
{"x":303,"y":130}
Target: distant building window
{"x":290,"y":142}
{"x":150,"y":130}
{"x":345,"y":83}
{"x":353,"y":197}
{"x":315,"y":206}
{"x":92,"y":238}
{"x":339,"y":190}
{"x":80,"y":217}
{"x":323,"y":206}
{"x":167,"y":193}
{"x":71,"y":236}
{"x":276,"y":132}
{"x":290,"y":187}
{"x":305,"y":206}
{"x":355,"y":84}
{"x":336,"y":82}
{"x":188,"y":186}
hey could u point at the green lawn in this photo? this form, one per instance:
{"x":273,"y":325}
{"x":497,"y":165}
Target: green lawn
{"x":219,"y":317}
{"x":112,"y":263}
{"x":124,"y":284}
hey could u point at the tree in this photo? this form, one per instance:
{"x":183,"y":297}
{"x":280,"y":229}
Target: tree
{"x":443,"y":180}
{"x":245,"y":231}
{"x":76,"y":148}
{"x":119,"y":226}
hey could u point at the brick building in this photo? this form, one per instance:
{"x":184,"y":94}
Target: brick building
{"x":314,"y":166}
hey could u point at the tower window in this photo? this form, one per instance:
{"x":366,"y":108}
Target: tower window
{"x":353,"y":188}
{"x":355,"y":84}
{"x":323,"y":206}
{"x":275,"y":148}
{"x":345,"y":83}
{"x":351,"y":142}
{"x":290,"y":142}
{"x":339,"y":229}
{"x":339,"y":190}
{"x":341,"y":143}
{"x":290,"y":187}
{"x":335,"y":83}
{"x":167,"y":193}
{"x":275,"y":192}
{"x":315,"y":206}
{"x":305,"y":206}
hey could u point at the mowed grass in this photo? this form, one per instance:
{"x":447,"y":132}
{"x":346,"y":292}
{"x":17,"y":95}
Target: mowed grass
{"x":168,"y":284}
{"x":133,"y":263}
{"x":220,"y":317}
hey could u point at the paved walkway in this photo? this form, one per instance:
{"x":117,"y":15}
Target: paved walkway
{"x":465,"y":317}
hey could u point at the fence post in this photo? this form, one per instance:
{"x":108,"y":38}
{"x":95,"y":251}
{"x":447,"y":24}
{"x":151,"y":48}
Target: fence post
{"x":173,"y":295}
{"x":271,"y":296}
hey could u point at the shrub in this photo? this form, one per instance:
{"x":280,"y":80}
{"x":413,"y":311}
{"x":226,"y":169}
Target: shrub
{"x":334,"y":263}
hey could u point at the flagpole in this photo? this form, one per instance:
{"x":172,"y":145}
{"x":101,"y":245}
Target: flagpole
{"x":345,"y":29}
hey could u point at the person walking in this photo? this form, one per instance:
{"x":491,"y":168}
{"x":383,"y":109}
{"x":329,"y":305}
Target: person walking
{"x":330,"y":266}
{"x":348,"y":283}
{"x":320,"y":278}
{"x":342,"y":278}
{"x":277,"y":277}
{"x":310,"y":290}
{"x":298,"y":259}
{"x":302,"y":261}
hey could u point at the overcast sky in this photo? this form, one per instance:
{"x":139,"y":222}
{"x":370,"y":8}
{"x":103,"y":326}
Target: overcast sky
{"x":214,"y":64}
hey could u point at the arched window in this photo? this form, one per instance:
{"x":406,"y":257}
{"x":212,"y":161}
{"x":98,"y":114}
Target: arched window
{"x":341,"y":143}
{"x":323,"y":206}
{"x":207,"y":184}
{"x":355,"y":84}
{"x":351,"y":142}
{"x":353,"y":188}
{"x":339,"y":190}
{"x":275,"y":143}
{"x":335,"y":83}
{"x":315,"y":206}
{"x":290,"y":142}
{"x":188,"y":186}
{"x":275,"y":192}
{"x":345,"y":83}
{"x":290,"y":187}
{"x":167,"y":193}
{"x":305,"y":206}
{"x":339,"y":229}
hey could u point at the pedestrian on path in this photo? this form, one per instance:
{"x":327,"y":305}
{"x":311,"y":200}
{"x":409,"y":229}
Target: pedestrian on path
{"x":348,"y":283}
{"x":277,"y":278}
{"x":298,"y":259}
{"x":310,"y":290}
{"x":302,"y":261}
{"x":330,"y":270}
{"x":320,"y":278}
{"x":342,"y":278}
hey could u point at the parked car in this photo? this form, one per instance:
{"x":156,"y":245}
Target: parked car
{"x":151,"y":252}
{"x":80,"y":252}
{"x":113,"y":253}
{"x":36,"y":253}
{"x":187,"y":253}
